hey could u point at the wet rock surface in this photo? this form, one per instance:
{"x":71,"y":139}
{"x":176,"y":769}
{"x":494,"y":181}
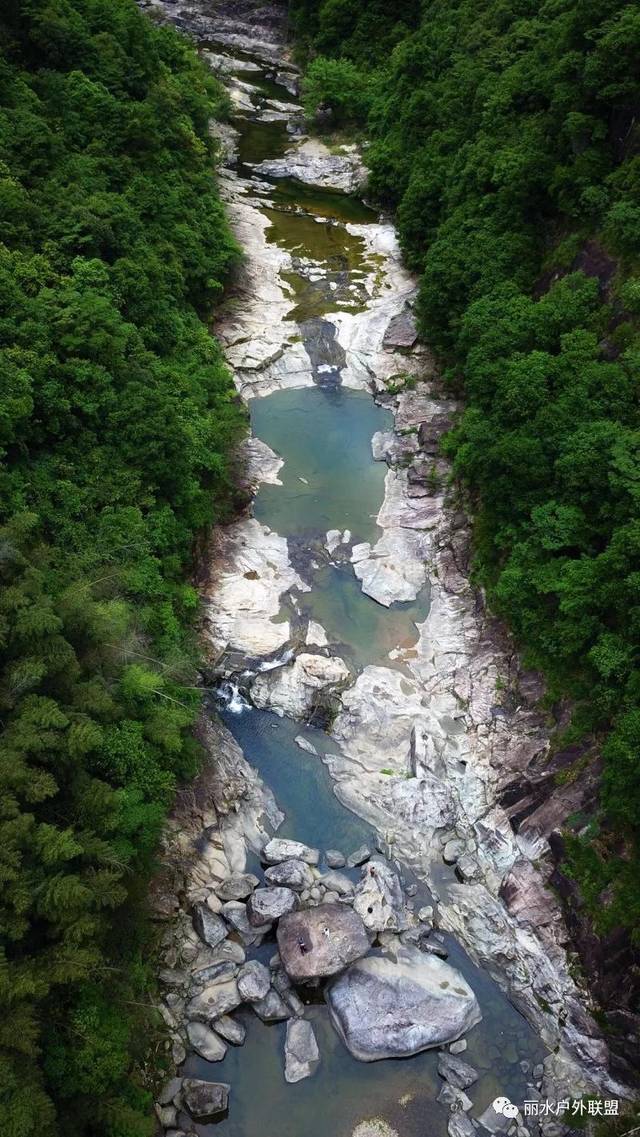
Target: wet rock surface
{"x":301,"y":1050}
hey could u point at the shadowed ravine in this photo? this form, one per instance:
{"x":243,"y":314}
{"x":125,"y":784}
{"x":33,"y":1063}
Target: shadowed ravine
{"x":354,"y":558}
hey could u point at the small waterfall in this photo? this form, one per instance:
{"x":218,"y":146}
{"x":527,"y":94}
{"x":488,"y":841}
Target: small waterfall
{"x":281,"y":661}
{"x":229,"y":696}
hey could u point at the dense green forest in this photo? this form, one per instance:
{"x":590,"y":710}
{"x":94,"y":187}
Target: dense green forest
{"x":505,"y":137}
{"x":116,"y":418}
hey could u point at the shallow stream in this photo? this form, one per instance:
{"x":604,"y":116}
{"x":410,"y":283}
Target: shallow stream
{"x":330,"y":481}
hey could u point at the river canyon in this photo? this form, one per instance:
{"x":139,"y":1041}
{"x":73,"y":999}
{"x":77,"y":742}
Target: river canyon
{"x":359,"y":695}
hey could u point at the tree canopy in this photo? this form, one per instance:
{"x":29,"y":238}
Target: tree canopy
{"x":505,"y":137}
{"x":116,"y":421}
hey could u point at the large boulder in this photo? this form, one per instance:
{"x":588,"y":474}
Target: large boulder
{"x":293,"y":873}
{"x":393,"y":1007}
{"x":300,"y":1050}
{"x":312,"y":163}
{"x":278,"y":849}
{"x":267,"y":905}
{"x":294,"y":690}
{"x":205,"y":1099}
{"x":320,"y":941}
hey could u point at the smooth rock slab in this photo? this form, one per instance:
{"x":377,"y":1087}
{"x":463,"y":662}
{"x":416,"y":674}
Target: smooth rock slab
{"x":205,"y":1099}
{"x":278,"y":850}
{"x":335,"y":859}
{"x":393,"y":1008}
{"x":294,"y":874}
{"x":230,"y":1029}
{"x":300,"y":1050}
{"x":206,"y":1042}
{"x":267,"y":905}
{"x":320,"y":941}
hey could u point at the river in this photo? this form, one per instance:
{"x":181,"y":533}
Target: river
{"x":302,"y":331}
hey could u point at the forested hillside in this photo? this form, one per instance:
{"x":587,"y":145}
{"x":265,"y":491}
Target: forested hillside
{"x":505,"y":136}
{"x":116,"y":417}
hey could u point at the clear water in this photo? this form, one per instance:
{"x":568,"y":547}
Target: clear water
{"x":344,"y":1092}
{"x":331,"y":481}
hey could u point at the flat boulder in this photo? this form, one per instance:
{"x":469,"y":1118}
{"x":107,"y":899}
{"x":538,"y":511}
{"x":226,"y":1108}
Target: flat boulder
{"x":293,"y":873}
{"x":205,"y":1099}
{"x":320,"y":941}
{"x":215,"y":1000}
{"x":394,"y":1007}
{"x":335,"y":881}
{"x":278,"y":849}
{"x":230,"y":1029}
{"x":206,"y":1042}
{"x":267,"y":905}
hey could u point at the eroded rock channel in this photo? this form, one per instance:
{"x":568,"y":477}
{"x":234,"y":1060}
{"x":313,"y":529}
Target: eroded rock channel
{"x":342,"y":887}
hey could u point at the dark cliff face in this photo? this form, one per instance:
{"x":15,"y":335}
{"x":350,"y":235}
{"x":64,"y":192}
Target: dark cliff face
{"x":540,"y":796}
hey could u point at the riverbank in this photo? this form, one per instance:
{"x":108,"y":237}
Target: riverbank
{"x":419,"y":721}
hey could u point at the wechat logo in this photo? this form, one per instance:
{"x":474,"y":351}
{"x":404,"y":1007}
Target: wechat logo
{"x":505,"y":1107}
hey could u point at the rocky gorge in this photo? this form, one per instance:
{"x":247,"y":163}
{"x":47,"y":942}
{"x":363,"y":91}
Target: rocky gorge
{"x":342,"y":628}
